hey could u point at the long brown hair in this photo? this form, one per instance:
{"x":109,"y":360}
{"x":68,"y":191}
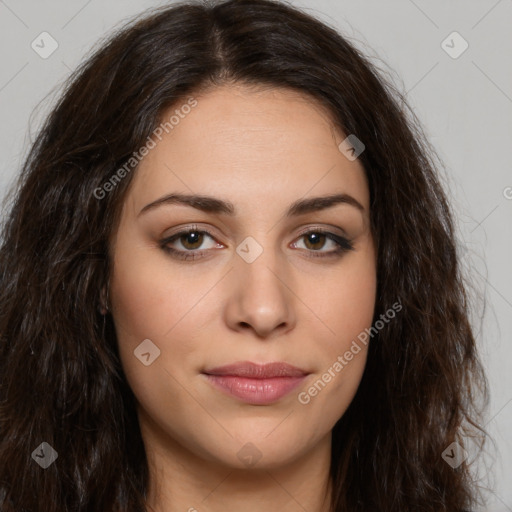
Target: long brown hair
{"x":61,"y":381}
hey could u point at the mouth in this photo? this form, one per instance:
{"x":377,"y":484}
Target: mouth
{"x":254,"y":383}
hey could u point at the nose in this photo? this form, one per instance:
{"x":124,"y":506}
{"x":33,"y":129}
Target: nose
{"x":261,"y":299}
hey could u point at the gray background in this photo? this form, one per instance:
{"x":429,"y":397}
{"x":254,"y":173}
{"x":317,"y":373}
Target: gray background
{"x":465,"y":104}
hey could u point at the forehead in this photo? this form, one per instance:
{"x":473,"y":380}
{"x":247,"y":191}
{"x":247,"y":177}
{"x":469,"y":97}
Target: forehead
{"x":251,"y":144}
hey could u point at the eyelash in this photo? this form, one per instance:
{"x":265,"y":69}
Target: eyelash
{"x":344,"y":245}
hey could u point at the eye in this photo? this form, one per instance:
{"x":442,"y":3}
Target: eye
{"x":318,"y":238}
{"x":190,"y":239}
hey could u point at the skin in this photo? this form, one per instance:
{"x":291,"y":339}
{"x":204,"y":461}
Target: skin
{"x":261,"y":150}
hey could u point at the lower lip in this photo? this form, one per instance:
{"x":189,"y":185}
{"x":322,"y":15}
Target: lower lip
{"x":255,"y":391}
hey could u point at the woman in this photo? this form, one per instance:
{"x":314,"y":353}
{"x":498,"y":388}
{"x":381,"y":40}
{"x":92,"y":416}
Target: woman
{"x":230,"y":281}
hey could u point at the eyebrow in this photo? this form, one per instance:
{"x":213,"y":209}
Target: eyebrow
{"x":218,"y":206}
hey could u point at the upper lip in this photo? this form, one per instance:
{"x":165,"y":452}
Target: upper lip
{"x":257,"y":371}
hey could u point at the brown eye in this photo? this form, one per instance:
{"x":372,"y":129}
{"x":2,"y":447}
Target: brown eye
{"x":192,"y":240}
{"x":315,"y":240}
{"x":189,"y":244}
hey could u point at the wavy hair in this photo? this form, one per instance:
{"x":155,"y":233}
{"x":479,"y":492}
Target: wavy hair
{"x":61,"y":381}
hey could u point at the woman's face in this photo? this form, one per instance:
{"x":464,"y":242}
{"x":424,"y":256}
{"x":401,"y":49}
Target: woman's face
{"x":258,"y":288}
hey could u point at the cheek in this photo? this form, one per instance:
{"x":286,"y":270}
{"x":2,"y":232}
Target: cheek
{"x":150,"y":304}
{"x":152,"y":300}
{"x":351,"y":308}
{"x":153,"y":304}
{"x":346,"y":301}
{"x":346,"y":307}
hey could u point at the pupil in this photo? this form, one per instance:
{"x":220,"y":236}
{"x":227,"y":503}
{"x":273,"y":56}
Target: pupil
{"x":192,"y":238}
{"x":315,"y":238}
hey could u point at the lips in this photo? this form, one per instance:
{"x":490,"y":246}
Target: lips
{"x":254,"y":383}
{"x":258,"y":371}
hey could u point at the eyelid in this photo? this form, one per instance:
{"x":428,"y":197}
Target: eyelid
{"x":323,"y":229}
{"x":182,"y":230}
